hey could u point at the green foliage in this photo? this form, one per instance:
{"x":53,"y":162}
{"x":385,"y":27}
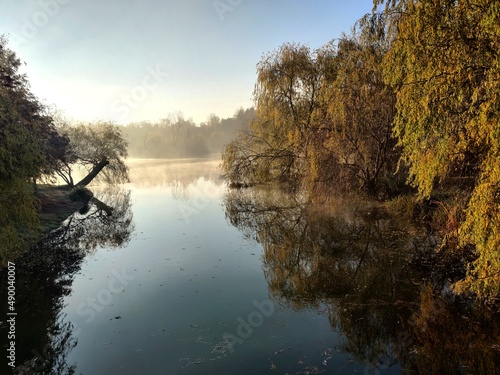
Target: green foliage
{"x":27,"y":140}
{"x":362,"y":108}
{"x":276,"y":147}
{"x":445,"y":65}
{"x":31,"y":147}
{"x":444,"y":61}
{"x":482,"y":229}
{"x":18,"y":220}
{"x":420,"y":78}
{"x":323,"y":118}
{"x":94,"y":146}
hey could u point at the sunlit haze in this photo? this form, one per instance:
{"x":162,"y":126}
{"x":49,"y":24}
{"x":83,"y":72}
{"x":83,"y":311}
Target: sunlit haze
{"x":130,"y":60}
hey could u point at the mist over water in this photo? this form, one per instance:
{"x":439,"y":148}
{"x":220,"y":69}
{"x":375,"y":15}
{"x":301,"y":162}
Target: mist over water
{"x":190,"y":277}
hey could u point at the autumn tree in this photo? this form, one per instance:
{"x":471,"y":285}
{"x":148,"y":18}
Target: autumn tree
{"x":444,"y":61}
{"x":275,"y":148}
{"x":361,"y":106}
{"x":323,"y":118}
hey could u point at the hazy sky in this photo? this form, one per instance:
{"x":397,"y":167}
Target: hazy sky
{"x":131,"y":60}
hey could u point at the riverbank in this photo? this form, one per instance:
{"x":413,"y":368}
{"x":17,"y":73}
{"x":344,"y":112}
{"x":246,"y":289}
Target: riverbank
{"x":56,"y":206}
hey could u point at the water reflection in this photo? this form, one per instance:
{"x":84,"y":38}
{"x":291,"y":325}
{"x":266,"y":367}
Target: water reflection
{"x":354,"y":268}
{"x":369,"y":271}
{"x":105,"y":222}
{"x":193,"y":182}
{"x":179,"y":173}
{"x":44,"y":276}
{"x":453,"y":336}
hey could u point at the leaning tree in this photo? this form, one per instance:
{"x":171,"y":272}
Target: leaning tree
{"x":97,"y":148}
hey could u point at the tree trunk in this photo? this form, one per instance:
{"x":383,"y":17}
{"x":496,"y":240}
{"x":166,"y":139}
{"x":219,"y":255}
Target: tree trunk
{"x":93,"y":173}
{"x":102,"y":206}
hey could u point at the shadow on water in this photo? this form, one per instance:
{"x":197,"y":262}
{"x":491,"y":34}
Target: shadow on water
{"x":370,"y":272}
{"x":44,"y":276}
{"x":373,"y":274}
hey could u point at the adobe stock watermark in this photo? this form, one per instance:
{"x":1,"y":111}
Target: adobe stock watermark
{"x":224,"y":6}
{"x":131,"y":100}
{"x":38,"y":20}
{"x":205,"y":195}
{"x":246,"y":327}
{"x":104,"y":297}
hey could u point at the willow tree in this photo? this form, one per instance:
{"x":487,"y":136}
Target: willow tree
{"x":97,"y":148}
{"x":361,"y":107}
{"x":445,"y":62}
{"x":286,"y":96}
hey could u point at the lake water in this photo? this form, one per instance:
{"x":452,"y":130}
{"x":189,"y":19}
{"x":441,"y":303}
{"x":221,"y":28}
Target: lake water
{"x":189,"y":277}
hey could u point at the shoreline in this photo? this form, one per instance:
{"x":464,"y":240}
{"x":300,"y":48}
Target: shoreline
{"x":55,"y":207}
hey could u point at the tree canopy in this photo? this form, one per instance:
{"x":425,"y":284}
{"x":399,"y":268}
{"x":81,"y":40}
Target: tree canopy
{"x":276,"y":145}
{"x":29,"y":143}
{"x":99,"y":148}
{"x":444,"y":60}
{"x":362,"y":108}
{"x":31,"y":146}
{"x":412,"y":94}
{"x":323,"y":118}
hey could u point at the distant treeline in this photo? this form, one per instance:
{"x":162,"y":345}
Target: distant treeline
{"x":175,"y":136}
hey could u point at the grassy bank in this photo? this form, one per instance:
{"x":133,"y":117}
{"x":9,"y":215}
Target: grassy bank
{"x":55,"y":206}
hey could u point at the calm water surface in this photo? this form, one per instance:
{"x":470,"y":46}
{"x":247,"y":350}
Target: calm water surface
{"x":189,"y":277}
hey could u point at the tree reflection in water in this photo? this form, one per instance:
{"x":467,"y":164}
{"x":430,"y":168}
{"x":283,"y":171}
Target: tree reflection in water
{"x":44,"y":275}
{"x":367,"y":269}
{"x":106,"y":222}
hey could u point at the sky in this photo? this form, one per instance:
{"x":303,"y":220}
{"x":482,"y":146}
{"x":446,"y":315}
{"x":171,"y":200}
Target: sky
{"x":131,"y":60}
